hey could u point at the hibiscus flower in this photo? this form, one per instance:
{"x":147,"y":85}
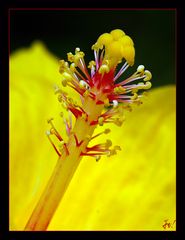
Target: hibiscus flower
{"x":133,"y":185}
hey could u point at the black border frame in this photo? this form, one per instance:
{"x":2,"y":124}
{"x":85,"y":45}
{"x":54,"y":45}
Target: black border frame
{"x":4,"y":224}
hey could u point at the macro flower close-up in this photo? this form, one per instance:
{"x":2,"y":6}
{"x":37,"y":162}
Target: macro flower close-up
{"x":92,"y":147}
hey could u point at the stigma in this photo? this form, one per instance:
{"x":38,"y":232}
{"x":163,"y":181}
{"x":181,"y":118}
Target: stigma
{"x":117,"y":45}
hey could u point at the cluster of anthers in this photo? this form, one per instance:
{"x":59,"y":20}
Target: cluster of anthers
{"x":104,"y":95}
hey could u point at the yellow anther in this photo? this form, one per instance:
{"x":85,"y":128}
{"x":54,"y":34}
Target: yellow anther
{"x":61,"y":63}
{"x":119,"y":121}
{"x":96,"y":46}
{"x":138,"y":101}
{"x":107,"y":130}
{"x":135,"y":90}
{"x":148,"y":75}
{"x":72,"y":67}
{"x":141,"y":69}
{"x":81,"y":54}
{"x":70,"y":57}
{"x":108,"y":143}
{"x":114,"y":151}
{"x":115,"y":103}
{"x":100,"y":121}
{"x":117,"y":147}
{"x":134,"y":97}
{"x":60,"y":98}
{"x":65,"y":78}
{"x":63,"y":66}
{"x":71,"y":100}
{"x":48,"y":133}
{"x":106,"y":102}
{"x":64,"y":82}
{"x":52,"y":131}
{"x":77,"y":50}
{"x":117,"y":34}
{"x":57,"y":89}
{"x":91,"y":64}
{"x":97,"y":158}
{"x":49,"y":120}
{"x":128,"y":107}
{"x":111,"y":152}
{"x":83,"y":84}
{"x":77,"y":57}
{"x":103,"y":69}
{"x":119,"y":90}
{"x":147,"y":85}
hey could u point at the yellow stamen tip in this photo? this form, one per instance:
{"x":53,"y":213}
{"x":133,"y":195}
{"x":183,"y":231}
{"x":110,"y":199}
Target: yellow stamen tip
{"x":117,"y":147}
{"x":103,"y":69}
{"x":147,"y":85}
{"x":148,"y":75}
{"x":119,"y":90}
{"x":115,"y":103}
{"x":134,"y":97}
{"x":72,"y":67}
{"x":100,"y":121}
{"x":83,"y":85}
{"x":141,"y":69}
{"x":49,"y":120}
{"x":70,"y":57}
{"x":52,"y":131}
{"x":97,"y":158}
{"x":65,"y":77}
{"x":91,"y":64}
{"x":48,"y":133}
{"x":107,"y":130}
{"x":119,"y":121}
{"x":108,"y":143}
{"x":63,"y":66}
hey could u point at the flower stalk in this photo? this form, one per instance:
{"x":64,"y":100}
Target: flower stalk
{"x":103,"y":100}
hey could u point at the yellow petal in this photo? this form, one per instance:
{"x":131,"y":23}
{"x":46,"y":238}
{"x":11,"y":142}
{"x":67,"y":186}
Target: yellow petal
{"x":133,"y":190}
{"x":33,"y":72}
